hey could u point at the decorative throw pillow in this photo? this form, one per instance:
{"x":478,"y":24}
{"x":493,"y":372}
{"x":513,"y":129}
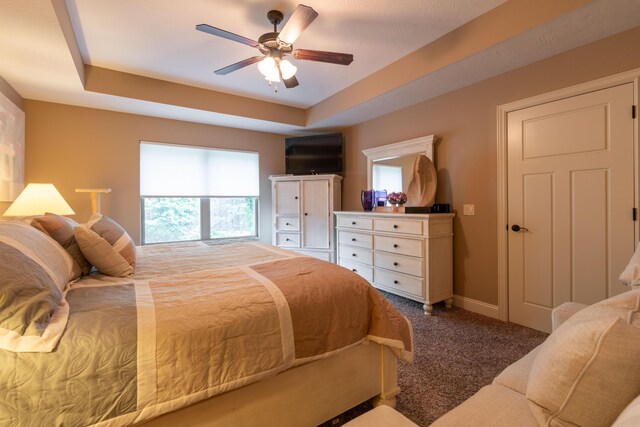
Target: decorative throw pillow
{"x":107,"y":246}
{"x":60,"y":229}
{"x":631,"y":274}
{"x":594,"y":353}
{"x":34,"y":270}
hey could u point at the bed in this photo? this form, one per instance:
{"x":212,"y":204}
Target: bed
{"x":236,"y":334}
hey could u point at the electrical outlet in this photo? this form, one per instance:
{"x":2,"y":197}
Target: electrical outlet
{"x":469,"y":209}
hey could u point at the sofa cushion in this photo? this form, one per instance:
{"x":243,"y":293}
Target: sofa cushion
{"x":631,"y":274}
{"x":494,"y":405}
{"x":594,"y":353}
{"x":516,"y":375}
{"x":563,"y":312}
{"x":630,"y":417}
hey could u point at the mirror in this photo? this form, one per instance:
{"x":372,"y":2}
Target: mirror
{"x":390,"y":167}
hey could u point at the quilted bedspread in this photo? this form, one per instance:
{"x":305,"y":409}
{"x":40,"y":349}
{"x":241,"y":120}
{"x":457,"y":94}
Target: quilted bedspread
{"x":195,"y":321}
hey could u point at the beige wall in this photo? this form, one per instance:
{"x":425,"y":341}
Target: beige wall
{"x":465,"y":120}
{"x":75,"y":147}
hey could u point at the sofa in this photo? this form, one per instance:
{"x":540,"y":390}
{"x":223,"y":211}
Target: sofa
{"x":586,"y":373}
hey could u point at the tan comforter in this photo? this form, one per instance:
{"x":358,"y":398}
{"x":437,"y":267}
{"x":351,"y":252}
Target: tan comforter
{"x":195,"y":321}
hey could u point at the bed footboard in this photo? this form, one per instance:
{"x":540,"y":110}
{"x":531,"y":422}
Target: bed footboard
{"x":306,"y":395}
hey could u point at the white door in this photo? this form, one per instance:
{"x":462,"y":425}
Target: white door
{"x":571,"y":189}
{"x":287,"y":197}
{"x":315,"y":219}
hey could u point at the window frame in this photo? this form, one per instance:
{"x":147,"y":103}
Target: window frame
{"x":205,"y":218}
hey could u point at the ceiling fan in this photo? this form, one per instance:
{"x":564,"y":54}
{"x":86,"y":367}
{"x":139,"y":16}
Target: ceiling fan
{"x":276,"y":45}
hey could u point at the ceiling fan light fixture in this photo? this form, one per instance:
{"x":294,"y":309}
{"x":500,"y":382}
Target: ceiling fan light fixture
{"x":288,"y":69}
{"x":267,"y":66}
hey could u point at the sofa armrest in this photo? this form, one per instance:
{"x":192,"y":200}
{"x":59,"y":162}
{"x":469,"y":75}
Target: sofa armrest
{"x":561,"y":313}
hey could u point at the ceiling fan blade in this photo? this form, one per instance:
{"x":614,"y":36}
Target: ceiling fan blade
{"x":300,"y":19}
{"x":322,"y":56}
{"x":233,"y":67}
{"x":226,"y":35}
{"x":289,"y":83}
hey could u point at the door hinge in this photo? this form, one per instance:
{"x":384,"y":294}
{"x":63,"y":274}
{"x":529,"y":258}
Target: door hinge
{"x":635,"y":214}
{"x":633,"y":111}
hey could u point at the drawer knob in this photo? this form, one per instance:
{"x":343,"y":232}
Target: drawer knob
{"x":287,"y":223}
{"x":395,"y":282}
{"x":296,"y":197}
{"x":395,"y":225}
{"x":395,"y":264}
{"x":354,"y":254}
{"x":354,"y":270}
{"x":353,"y":223}
{"x":288,"y":239}
{"x":395,"y":245}
{"x":353,"y":239}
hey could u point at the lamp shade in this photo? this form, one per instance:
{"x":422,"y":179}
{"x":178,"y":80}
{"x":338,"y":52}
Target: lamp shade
{"x":38,"y":199}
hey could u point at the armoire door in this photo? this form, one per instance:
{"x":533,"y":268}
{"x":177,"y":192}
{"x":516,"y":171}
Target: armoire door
{"x":571,"y":199}
{"x":287,"y":197}
{"x":315,"y":208}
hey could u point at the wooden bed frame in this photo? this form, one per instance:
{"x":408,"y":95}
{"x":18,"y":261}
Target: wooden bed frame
{"x":307,"y":395}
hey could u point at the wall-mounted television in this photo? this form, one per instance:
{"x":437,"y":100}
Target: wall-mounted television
{"x":314,"y":154}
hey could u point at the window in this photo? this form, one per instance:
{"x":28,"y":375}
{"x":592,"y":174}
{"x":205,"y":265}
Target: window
{"x":192,"y":193}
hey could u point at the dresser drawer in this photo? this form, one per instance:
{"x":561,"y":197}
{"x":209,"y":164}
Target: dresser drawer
{"x":398,"y":245}
{"x":355,"y":222}
{"x":403,"y":282}
{"x":399,"y":263}
{"x":366,"y":271}
{"x":404,"y":226}
{"x":355,"y":253}
{"x":355,"y":239}
{"x":288,"y":223}
{"x":288,"y":240}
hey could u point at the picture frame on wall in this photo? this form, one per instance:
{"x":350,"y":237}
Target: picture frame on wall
{"x":12,"y":122}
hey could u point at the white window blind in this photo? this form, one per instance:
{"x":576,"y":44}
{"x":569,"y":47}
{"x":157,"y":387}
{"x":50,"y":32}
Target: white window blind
{"x":171,"y":170}
{"x":387,"y":178}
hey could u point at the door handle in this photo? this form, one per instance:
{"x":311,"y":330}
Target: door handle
{"x":517,"y":228}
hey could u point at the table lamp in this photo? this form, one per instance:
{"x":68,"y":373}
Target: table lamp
{"x":38,"y":199}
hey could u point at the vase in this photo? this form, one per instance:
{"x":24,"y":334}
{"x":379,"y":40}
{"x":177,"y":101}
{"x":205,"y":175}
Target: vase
{"x":367,"y":197}
{"x":394,"y":208}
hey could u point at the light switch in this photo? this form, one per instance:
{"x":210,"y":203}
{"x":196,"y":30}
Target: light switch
{"x":469,"y":209}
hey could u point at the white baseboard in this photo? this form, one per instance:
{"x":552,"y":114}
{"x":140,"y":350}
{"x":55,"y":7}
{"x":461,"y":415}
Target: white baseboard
{"x":476,"y":306}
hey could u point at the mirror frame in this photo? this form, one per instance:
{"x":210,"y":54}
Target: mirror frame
{"x":423,"y":145}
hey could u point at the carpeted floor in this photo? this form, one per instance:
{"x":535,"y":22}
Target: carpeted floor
{"x":457,"y":352}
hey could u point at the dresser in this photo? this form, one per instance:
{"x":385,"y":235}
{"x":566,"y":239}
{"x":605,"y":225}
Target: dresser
{"x":302,"y":212}
{"x":406,"y":254}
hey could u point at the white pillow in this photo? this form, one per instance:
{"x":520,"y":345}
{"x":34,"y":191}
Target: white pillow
{"x":587,"y":371}
{"x":631,"y":274}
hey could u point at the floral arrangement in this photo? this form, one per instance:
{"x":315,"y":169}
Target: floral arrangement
{"x":398,"y":198}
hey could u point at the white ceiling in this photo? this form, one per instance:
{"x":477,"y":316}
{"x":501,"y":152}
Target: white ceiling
{"x":156,"y":38}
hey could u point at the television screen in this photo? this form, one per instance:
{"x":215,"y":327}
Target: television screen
{"x":314,"y":154}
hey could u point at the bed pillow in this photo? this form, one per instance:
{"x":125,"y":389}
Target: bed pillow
{"x":34,"y":271}
{"x":594,"y":353}
{"x":107,"y":246}
{"x":631,"y":274}
{"x":60,"y":229}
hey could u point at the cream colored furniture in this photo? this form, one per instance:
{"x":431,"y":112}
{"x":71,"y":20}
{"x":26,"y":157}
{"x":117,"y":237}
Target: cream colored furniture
{"x":573,"y":392}
{"x":405,"y":254}
{"x":302,"y":212}
{"x":382,"y":416}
